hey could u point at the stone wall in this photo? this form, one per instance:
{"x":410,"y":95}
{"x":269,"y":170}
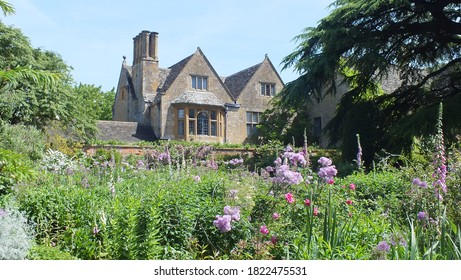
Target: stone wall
{"x":251,"y":100}
{"x":197,"y":65}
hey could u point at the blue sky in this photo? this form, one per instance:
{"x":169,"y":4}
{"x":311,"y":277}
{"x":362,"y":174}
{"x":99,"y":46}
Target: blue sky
{"x":93,"y":36}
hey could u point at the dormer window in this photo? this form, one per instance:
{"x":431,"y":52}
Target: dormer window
{"x":199,"y":83}
{"x":267,"y":89}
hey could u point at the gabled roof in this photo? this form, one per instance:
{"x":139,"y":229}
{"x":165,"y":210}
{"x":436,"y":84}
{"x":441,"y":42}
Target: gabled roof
{"x":237,"y":82}
{"x":170,"y":74}
{"x":173,"y":72}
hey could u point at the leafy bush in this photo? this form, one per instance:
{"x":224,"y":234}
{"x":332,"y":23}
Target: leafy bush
{"x":16,"y":234}
{"x":44,"y":252}
{"x":14,"y":168}
{"x":21,"y":139}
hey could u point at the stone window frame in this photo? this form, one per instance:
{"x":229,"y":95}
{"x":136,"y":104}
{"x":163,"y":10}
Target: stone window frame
{"x":267,"y":89}
{"x":199,"y":82}
{"x":252,"y":120}
{"x":187,"y":121}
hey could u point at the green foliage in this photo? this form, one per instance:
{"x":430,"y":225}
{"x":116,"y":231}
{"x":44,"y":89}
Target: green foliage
{"x":21,"y":139}
{"x":16,"y":234}
{"x":361,"y":43}
{"x":14,"y":169}
{"x":44,"y":252}
{"x":284,"y":125}
{"x":151,"y":208}
{"x":36,"y":87}
{"x":383,"y":191}
{"x":92,"y":101}
{"x":6,"y":7}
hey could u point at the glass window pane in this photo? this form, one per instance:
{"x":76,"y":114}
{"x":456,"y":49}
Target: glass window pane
{"x":192,"y":113}
{"x":262,"y":89}
{"x":192,"y":127}
{"x":249,"y":117}
{"x":205,"y":83}
{"x":181,"y":127}
{"x":199,"y":83}
{"x":272,"y":90}
{"x":202,"y":123}
{"x":180,"y":113}
{"x":213,"y":115}
{"x":214,"y":129}
{"x":194,"y":82}
{"x":255,"y":118}
{"x":248,"y":130}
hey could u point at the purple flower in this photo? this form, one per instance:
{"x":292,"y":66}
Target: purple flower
{"x":264,"y":230}
{"x":276,"y":216}
{"x":296,"y":158}
{"x":327,"y":173}
{"x":421,"y":215}
{"x":325,"y":161}
{"x":274,"y":239}
{"x":418,"y":182}
{"x":269,"y":169}
{"x":223,"y":223}
{"x":233,"y":194}
{"x":383,"y":246}
{"x":439,"y":163}
{"x":283,"y":174}
{"x":236,"y":161}
{"x":233,"y":212}
{"x":288,"y":148}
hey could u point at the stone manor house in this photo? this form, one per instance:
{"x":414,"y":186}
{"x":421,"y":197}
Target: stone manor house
{"x":189,"y":100}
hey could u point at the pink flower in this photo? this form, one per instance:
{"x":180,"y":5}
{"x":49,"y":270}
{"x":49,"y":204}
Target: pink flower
{"x":307,"y":202}
{"x":352,"y":186}
{"x":276,"y":216}
{"x":316,"y":211}
{"x":289,"y":198}
{"x":274,"y":239}
{"x":349,"y":202}
{"x":264,"y":230}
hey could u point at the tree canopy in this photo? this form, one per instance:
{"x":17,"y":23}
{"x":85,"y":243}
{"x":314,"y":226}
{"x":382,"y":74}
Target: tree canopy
{"x":417,"y":39}
{"x":36,"y":87}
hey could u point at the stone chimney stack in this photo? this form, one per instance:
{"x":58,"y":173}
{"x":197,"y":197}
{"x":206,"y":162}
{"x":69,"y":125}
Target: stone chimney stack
{"x":153,"y":46}
{"x":145,"y":47}
{"x":144,"y":74}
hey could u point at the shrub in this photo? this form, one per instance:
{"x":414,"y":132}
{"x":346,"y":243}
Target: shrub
{"x":14,"y":168}
{"x":16,"y":234}
{"x":44,"y":252}
{"x":22,"y":139}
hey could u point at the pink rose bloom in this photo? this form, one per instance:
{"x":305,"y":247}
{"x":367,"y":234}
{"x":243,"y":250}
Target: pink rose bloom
{"x":352,"y":186}
{"x":307,"y":202}
{"x":316,"y":211}
{"x":289,"y":198}
{"x":276,"y":216}
{"x":264,"y":230}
